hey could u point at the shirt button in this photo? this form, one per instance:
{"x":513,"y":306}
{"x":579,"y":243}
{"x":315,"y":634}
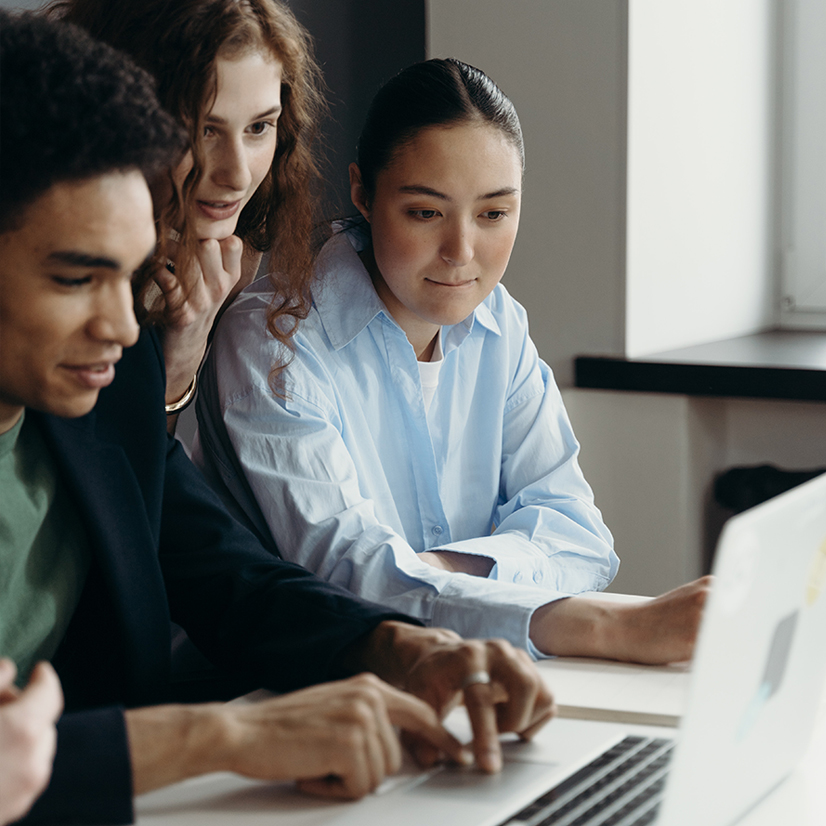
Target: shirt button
{"x":537,"y":576}
{"x":517,"y":577}
{"x":437,"y":530}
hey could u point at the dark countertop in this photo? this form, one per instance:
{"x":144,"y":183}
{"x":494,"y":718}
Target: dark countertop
{"x":778,"y":364}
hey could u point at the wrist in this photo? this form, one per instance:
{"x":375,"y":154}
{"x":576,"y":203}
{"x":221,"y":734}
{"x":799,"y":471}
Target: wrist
{"x":174,"y":742}
{"x":182,"y":363}
{"x":393,"y":648}
{"x":574,"y":627}
{"x":182,"y":401}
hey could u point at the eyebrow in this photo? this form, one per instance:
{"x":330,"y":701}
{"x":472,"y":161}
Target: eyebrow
{"x":82,"y":259}
{"x":276,"y":110}
{"x":74,"y":258}
{"x":416,"y":189}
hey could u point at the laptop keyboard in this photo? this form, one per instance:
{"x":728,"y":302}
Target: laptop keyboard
{"x":622,"y":787}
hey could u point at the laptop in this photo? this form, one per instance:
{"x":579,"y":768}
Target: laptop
{"x":756,"y":685}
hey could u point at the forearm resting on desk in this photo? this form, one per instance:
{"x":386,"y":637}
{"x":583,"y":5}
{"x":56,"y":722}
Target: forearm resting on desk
{"x":653,"y":632}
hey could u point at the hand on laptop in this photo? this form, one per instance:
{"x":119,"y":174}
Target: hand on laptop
{"x":27,"y":736}
{"x":653,"y":632}
{"x":335,"y":739}
{"x":500,"y":686}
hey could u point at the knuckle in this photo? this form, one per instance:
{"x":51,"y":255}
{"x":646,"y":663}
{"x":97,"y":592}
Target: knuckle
{"x":501,"y":648}
{"x":368,"y":695}
{"x":350,"y":738}
{"x":473,"y":650}
{"x":367,"y":680}
{"x":363,"y":713}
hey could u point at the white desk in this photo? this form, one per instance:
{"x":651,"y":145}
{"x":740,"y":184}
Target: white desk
{"x":227,"y":800}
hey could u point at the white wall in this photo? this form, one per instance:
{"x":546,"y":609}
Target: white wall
{"x":652,"y":458}
{"x":16,"y":5}
{"x":699,"y":108}
{"x":639,"y":453}
{"x":701,"y":86}
{"x":648,"y":219}
{"x":562,"y":62}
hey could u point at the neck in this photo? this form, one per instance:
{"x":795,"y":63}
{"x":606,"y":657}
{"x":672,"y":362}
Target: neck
{"x":427,"y":353}
{"x":9,"y":416}
{"x":420,"y":333}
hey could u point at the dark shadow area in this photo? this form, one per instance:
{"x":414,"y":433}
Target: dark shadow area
{"x":359,"y":45}
{"x":741,"y":488}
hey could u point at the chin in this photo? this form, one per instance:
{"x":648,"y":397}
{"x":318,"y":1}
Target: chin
{"x":205,"y":228}
{"x":218,"y":230}
{"x":70,"y":408}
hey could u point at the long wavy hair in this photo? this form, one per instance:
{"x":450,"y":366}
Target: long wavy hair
{"x":178,"y":42}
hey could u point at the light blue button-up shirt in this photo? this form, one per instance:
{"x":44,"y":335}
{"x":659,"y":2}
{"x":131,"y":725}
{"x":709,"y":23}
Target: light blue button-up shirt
{"x":350,"y":476}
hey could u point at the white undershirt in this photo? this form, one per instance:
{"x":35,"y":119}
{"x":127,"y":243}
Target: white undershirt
{"x":429,"y":372}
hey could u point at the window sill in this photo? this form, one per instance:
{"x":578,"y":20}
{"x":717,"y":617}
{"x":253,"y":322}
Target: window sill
{"x":778,"y":364}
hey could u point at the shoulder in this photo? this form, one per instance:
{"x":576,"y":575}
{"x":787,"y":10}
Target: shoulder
{"x":242,"y":349}
{"x":244,"y":354}
{"x":529,"y":375}
{"x":507,"y":311}
{"x":500,"y":324}
{"x":246,"y":317}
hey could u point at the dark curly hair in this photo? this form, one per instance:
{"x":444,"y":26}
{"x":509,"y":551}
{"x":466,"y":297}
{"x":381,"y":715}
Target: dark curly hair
{"x":178,"y":41}
{"x":72,"y":108}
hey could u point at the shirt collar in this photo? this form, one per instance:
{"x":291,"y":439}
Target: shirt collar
{"x":344,"y":297}
{"x":347,"y":302}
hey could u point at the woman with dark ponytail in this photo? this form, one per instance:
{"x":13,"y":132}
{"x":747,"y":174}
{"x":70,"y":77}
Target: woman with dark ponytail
{"x":416,"y":450}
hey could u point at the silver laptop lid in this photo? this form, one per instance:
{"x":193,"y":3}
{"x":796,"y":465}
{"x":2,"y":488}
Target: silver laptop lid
{"x":760,"y":662}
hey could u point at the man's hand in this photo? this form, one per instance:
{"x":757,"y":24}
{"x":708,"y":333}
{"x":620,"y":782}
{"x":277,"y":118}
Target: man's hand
{"x":27,"y":736}
{"x":443,"y":669}
{"x":335,"y":739}
{"x":653,"y":632}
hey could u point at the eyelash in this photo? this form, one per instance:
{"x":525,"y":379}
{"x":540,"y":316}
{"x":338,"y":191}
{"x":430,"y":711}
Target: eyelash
{"x":420,"y":214}
{"x":71,"y":283}
{"x":252,"y":129}
{"x":493,"y":215}
{"x":267,"y":125}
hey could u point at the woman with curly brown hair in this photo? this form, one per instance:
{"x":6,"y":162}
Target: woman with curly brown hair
{"x":240,"y":77}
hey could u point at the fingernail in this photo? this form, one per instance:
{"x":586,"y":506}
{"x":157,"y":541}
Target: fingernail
{"x":491,"y":761}
{"x":466,"y":757}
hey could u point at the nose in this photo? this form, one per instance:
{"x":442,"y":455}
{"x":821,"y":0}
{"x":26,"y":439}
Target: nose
{"x":114,"y":318}
{"x":231,"y":168}
{"x":457,"y":244}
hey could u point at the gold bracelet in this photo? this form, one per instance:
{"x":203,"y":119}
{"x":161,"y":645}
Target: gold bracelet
{"x":185,"y":400}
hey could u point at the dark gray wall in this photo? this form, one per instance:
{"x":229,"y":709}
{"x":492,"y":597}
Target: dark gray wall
{"x":360,"y":44}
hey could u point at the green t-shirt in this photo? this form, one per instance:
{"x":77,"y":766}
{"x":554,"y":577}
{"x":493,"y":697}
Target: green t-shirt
{"x":44,"y":552}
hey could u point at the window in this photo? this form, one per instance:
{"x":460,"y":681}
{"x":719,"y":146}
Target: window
{"x":803,"y":166}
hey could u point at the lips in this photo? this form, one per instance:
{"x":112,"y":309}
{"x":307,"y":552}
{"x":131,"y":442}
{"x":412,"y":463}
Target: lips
{"x":452,"y":284}
{"x":92,"y":376}
{"x":218,"y":210}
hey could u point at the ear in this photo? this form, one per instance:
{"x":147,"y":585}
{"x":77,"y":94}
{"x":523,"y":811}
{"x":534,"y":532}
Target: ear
{"x":358,"y":195}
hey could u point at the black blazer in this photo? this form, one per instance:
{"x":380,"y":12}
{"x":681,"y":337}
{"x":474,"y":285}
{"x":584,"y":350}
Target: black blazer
{"x":164,"y":548}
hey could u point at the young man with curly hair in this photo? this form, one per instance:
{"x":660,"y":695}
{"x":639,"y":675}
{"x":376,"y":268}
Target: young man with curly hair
{"x":107,"y":532}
